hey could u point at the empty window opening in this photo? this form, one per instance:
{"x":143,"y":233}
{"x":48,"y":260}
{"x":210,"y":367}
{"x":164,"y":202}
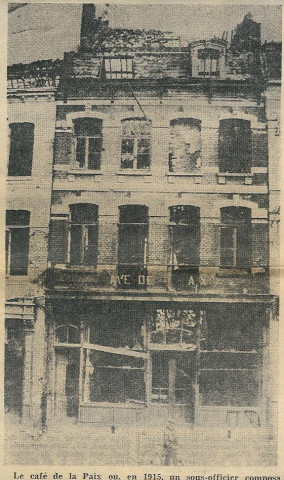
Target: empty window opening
{"x":235,"y":237}
{"x":184,"y":243}
{"x":115,"y":378}
{"x":21,"y":149}
{"x":83,"y":234}
{"x":120,"y":67}
{"x":208,"y":62}
{"x":136,"y":144}
{"x":88,"y":142}
{"x":185,"y":145}
{"x":235,"y":146}
{"x":17,"y":242}
{"x":132,"y":245}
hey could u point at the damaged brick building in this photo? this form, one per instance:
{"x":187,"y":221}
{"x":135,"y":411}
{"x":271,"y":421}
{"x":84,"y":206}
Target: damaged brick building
{"x":142,"y":231}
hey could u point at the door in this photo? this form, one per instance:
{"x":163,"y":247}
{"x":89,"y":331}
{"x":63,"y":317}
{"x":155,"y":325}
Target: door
{"x":173,"y":382}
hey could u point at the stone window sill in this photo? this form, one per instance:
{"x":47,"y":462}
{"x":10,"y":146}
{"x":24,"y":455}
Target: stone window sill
{"x":180,"y":174}
{"x":230,"y":174}
{"x":26,"y":178}
{"x":138,"y":173}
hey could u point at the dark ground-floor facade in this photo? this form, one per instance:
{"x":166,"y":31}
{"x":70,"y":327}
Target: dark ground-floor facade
{"x":118,"y":362}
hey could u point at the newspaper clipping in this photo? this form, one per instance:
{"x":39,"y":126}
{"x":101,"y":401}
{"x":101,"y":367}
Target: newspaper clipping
{"x":142,"y":241}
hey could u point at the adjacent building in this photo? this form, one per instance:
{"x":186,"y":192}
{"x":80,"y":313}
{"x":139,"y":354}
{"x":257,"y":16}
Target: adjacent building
{"x":142,"y":231}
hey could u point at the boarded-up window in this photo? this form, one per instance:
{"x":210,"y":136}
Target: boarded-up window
{"x":184,"y":243}
{"x":21,"y":149}
{"x":235,"y":238}
{"x":132,"y":245}
{"x":83,"y":234}
{"x":88,"y":142}
{"x":17,"y":241}
{"x":120,"y":67}
{"x":136,"y":143}
{"x":185,"y":145}
{"x":235,"y":146}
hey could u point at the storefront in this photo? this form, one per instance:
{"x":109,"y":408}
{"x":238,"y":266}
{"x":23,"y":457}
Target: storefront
{"x":118,"y":362}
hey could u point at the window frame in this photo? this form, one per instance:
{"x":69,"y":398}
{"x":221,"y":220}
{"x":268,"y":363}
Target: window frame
{"x":16,"y":145}
{"x":10,"y":231}
{"x":236,"y":227}
{"x":122,"y":73}
{"x":136,"y":138}
{"x":87,"y":140}
{"x":84,"y":246}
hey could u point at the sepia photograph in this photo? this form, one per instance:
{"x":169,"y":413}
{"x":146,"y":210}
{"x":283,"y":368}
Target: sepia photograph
{"x":142,"y":235}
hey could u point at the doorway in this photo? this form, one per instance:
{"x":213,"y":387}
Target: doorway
{"x":173,"y":384}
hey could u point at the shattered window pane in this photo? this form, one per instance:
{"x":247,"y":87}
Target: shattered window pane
{"x":174,"y":326}
{"x":185,"y":145}
{"x":83,"y":234}
{"x":116,"y":378}
{"x":17,"y":241}
{"x":136,"y":144}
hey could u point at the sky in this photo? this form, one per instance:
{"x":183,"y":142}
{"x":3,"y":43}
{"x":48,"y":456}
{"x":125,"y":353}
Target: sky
{"x":45,"y":31}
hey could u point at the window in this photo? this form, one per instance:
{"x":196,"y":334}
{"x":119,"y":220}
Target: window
{"x":83,"y":234}
{"x":235,"y":248}
{"x":174,"y":326}
{"x":132,"y":245}
{"x":120,"y":67}
{"x":21,"y":149}
{"x":17,"y":242}
{"x":184,"y":243}
{"x":235,"y":146}
{"x":135,"y":143}
{"x":185,"y":145}
{"x":88,"y":142}
{"x":116,"y":378}
{"x":208,"y":64}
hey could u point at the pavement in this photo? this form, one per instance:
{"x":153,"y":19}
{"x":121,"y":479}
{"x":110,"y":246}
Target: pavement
{"x":71,"y":443}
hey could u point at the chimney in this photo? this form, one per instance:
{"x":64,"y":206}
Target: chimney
{"x":89,"y":26}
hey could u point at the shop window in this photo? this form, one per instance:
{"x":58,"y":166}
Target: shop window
{"x":21,"y":149}
{"x":235,"y":237}
{"x":118,"y":326}
{"x":17,"y":241}
{"x":120,"y":67}
{"x":83,"y":234}
{"x":136,"y":144}
{"x":88,"y":142}
{"x":232,"y":328}
{"x":184,"y":243}
{"x":132,"y":246}
{"x":185,"y":145}
{"x":174,"y":327}
{"x":235,"y":146}
{"x":115,"y":378}
{"x":208,"y":62}
{"x":229,"y":387}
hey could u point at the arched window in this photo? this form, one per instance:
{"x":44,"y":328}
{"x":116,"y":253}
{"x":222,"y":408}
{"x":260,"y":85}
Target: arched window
{"x":83,"y":234}
{"x":235,"y":247}
{"x":136,"y":143}
{"x":132,"y":245}
{"x":235,"y":146}
{"x":17,"y":241}
{"x":67,"y":333}
{"x":88,"y":142}
{"x":185,"y":145}
{"x":21,"y":149}
{"x":185,"y":243}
